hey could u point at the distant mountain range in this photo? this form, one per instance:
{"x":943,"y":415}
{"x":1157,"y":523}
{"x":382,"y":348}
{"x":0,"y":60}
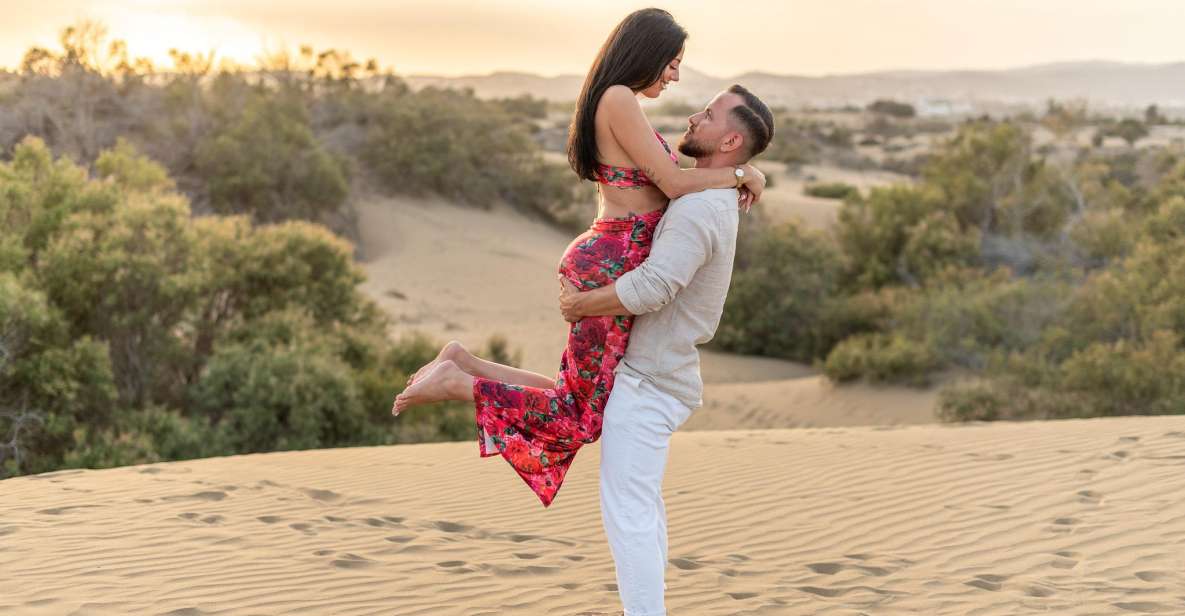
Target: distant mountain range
{"x":1114,"y":85}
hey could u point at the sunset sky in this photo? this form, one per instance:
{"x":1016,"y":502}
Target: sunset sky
{"x":805,"y":37}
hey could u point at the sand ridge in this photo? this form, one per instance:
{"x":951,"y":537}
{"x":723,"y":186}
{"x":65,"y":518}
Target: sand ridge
{"x":1070,"y":517}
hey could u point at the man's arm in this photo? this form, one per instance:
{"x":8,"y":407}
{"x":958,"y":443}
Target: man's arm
{"x":685,"y":242}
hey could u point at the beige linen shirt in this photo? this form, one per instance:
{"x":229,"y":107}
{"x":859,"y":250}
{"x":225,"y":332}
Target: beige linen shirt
{"x":678,"y":292}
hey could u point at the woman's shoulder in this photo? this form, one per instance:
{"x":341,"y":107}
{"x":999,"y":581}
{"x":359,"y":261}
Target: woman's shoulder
{"x":618,"y":97}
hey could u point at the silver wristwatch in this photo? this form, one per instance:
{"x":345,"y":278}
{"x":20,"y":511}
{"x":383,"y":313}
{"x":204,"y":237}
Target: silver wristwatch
{"x":740,"y":173}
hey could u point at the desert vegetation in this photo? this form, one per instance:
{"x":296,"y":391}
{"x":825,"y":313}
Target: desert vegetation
{"x":171,"y":283}
{"x":1026,"y":282}
{"x":291,"y":138}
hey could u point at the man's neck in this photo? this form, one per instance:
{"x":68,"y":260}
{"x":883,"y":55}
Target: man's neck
{"x":713,"y":161}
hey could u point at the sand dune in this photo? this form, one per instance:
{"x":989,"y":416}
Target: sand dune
{"x":466,"y":273}
{"x":1071,"y":517}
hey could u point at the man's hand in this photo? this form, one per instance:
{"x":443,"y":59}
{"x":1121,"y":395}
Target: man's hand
{"x":568,"y":295}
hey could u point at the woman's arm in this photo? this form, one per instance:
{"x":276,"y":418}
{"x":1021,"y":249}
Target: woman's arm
{"x":636,"y":136}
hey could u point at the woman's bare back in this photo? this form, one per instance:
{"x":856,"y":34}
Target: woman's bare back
{"x":616,"y":202}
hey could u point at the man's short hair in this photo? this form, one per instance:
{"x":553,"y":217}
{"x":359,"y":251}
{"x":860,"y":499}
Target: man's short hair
{"x":755,"y":119}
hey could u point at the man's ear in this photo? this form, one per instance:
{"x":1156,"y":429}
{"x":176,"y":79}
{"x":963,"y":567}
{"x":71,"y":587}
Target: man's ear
{"x":732,"y":141}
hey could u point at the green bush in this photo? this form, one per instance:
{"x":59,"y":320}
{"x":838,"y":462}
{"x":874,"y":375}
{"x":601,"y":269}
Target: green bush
{"x":785,"y":299}
{"x":264,"y":161}
{"x":881,"y":358}
{"x":901,"y":234}
{"x":453,"y":144}
{"x":831,"y":190}
{"x":51,"y":383}
{"x":893,"y":108}
{"x":131,"y":332}
{"x":278,"y":383}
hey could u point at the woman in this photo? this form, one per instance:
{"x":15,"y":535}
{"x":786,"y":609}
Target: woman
{"x":535,"y":422}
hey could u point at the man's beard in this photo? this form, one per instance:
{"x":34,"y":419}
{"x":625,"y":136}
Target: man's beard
{"x":689,"y":146}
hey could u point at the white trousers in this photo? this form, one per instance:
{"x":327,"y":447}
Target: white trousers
{"x":635,"y":436}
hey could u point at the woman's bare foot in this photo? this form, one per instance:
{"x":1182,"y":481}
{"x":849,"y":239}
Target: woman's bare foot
{"x":444,"y":382}
{"x":453,"y":350}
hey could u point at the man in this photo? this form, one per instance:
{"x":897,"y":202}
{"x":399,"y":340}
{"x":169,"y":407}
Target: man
{"x":679,"y":294}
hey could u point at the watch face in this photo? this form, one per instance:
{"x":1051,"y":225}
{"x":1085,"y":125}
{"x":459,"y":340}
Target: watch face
{"x":740,"y":173}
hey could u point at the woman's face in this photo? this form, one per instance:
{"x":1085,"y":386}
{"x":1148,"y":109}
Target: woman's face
{"x":670,"y":73}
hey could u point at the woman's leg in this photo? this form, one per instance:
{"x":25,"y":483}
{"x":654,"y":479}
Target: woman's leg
{"x":476,"y":366}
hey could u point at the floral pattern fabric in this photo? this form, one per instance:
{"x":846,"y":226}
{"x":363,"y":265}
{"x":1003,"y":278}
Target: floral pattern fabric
{"x":630,"y":177}
{"x":538,"y":431}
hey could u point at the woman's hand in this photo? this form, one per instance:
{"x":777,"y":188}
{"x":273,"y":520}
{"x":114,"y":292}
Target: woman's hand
{"x":751,"y":188}
{"x":746,"y":200}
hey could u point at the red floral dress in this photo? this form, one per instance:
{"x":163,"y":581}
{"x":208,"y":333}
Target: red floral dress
{"x":538,"y":431}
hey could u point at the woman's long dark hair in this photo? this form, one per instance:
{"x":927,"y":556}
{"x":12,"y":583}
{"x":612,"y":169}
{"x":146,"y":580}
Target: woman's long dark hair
{"x":634,"y":55}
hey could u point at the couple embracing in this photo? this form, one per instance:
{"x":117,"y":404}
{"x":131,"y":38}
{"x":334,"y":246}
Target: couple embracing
{"x":641,"y":288}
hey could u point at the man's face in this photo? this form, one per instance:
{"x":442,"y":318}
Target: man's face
{"x":706,"y":129}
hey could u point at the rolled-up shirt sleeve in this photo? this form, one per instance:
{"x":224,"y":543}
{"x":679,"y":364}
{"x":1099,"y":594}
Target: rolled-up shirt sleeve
{"x":685,"y":240}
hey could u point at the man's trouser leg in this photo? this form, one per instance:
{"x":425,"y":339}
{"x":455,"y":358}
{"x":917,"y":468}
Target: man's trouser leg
{"x":635,"y":438}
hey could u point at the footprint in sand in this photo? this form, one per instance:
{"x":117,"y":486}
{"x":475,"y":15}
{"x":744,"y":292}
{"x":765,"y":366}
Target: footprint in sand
{"x":352,"y":561}
{"x":1066,"y":559}
{"x":1152,"y":576}
{"x":1090,"y":497}
{"x":210,"y":519}
{"x":400,"y":538}
{"x":825,"y":568}
{"x":843,"y":590}
{"x":513,"y":571}
{"x":741,"y":595}
{"x":451,"y":527}
{"x":1064,"y":524}
{"x":304,"y":527}
{"x":1146,"y":607}
{"x":833,"y":568}
{"x":207,"y":495}
{"x":61,"y":510}
{"x":994,"y":457}
{"x":321,"y":495}
{"x":988,"y":581}
{"x":185,"y":611}
{"x":686,"y":564}
{"x":1039,"y":591}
